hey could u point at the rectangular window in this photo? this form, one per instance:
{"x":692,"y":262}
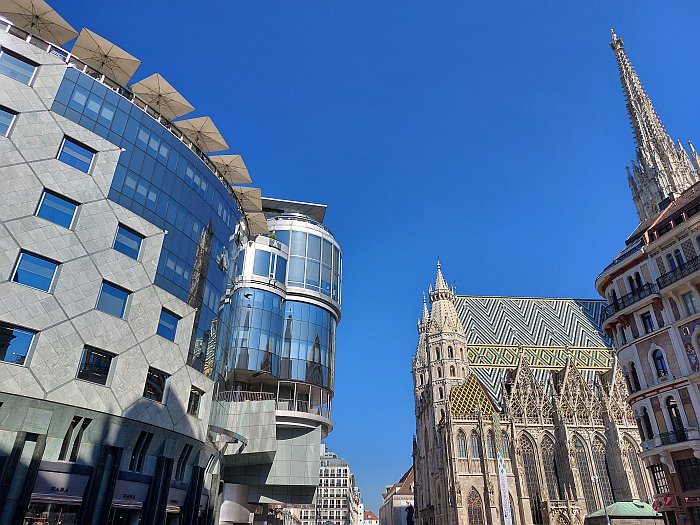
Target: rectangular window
{"x":7,"y":116}
{"x":15,"y":343}
{"x":75,"y":154}
{"x":691,"y":305}
{"x":261,"y":263}
{"x":94,"y":365}
{"x":689,"y":472}
{"x":112,"y":299}
{"x":128,"y":242}
{"x":659,"y":477}
{"x":35,"y":271}
{"x":56,"y":209}
{"x":17,"y":67}
{"x":194,"y":402}
{"x":155,"y":385}
{"x":167,"y":325}
{"x":281,"y":269}
{"x":647,"y":322}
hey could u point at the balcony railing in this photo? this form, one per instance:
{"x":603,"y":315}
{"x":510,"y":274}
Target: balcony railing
{"x":671,"y":438}
{"x":676,"y":274}
{"x":238,"y":396}
{"x":627,"y":300}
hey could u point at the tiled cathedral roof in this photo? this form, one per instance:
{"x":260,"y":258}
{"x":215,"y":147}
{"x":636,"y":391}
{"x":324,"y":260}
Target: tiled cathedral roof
{"x":545,"y":333}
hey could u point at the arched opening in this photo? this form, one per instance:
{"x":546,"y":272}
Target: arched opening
{"x":671,"y":262}
{"x":450,"y":354}
{"x":638,"y":280}
{"x":615,"y":301}
{"x":452,"y":371}
{"x":475,"y":509}
{"x":634,"y":377}
{"x":421,"y":380}
{"x":464,"y":371}
{"x":439,"y":371}
{"x":474,"y":446}
{"x":461,"y":354}
{"x":660,"y":363}
{"x":675,"y":416}
{"x":633,"y":460}
{"x":437,"y":353}
{"x":461,"y":445}
{"x":646,"y":424}
{"x":440,"y":393}
{"x":630,"y":281}
{"x":532,"y":481}
{"x":585,"y":474}
{"x":678,"y":256}
{"x":549,"y":463}
{"x":601,"y":470}
{"x":505,"y":445}
{"x":490,"y":445}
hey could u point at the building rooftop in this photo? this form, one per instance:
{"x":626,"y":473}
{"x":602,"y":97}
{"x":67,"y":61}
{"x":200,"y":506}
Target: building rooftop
{"x":628,"y":509}
{"x":544,"y":332}
{"x":369,"y":515}
{"x":281,"y":206}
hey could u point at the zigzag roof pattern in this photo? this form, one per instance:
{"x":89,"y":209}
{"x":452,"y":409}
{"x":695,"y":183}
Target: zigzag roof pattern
{"x":539,"y":322}
{"x":543,"y":332}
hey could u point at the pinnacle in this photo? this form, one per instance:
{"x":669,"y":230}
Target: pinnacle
{"x":440,"y":283}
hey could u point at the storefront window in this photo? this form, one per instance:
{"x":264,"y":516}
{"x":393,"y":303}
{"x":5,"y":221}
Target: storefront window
{"x":51,"y":514}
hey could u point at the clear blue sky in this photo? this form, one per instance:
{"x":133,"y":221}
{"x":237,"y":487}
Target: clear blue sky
{"x":490,"y":134}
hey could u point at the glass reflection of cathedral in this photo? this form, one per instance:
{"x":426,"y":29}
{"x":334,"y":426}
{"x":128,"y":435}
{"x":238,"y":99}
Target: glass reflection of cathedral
{"x":520,"y":406}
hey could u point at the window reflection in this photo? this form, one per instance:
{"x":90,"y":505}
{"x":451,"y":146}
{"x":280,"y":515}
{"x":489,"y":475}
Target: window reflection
{"x":289,"y":339}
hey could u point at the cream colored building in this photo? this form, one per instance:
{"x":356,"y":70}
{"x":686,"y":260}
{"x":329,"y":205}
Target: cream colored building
{"x":653,"y":314}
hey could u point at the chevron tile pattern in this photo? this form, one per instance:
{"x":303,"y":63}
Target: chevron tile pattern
{"x":546,"y":333}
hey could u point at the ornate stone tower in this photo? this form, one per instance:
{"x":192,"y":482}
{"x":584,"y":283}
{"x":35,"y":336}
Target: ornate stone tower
{"x":662,"y":170}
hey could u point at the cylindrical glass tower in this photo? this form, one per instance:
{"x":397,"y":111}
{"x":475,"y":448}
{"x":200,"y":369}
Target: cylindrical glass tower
{"x":279,"y":318}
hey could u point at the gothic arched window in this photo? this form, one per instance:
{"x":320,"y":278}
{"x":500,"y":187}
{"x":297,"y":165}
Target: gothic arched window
{"x":440,"y":393}
{"x":452,"y":371}
{"x":475,"y":509}
{"x":549,"y":462}
{"x":585,"y":474}
{"x":634,"y":377}
{"x":490,"y":445}
{"x":421,"y":380}
{"x":449,"y":352}
{"x":439,"y":371}
{"x":461,"y":445}
{"x":505,"y":444}
{"x":633,"y":460}
{"x":437,"y":353}
{"x":660,"y":363}
{"x":601,"y":469}
{"x":474,"y":446}
{"x":527,"y":454}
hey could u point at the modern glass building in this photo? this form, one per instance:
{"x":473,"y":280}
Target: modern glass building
{"x":277,"y":353}
{"x":157,"y":342}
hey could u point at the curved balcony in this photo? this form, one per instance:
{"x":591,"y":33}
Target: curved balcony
{"x":679,"y":273}
{"x":628,"y":300}
{"x":669,"y":439}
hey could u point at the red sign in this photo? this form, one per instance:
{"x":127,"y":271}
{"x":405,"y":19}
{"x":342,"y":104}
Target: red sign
{"x":668,"y":500}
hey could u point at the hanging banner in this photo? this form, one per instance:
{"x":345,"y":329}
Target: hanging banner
{"x":502,"y":475}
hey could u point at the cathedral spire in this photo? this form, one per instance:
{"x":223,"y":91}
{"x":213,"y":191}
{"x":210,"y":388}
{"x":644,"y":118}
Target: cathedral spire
{"x":443,"y":313}
{"x":663,"y":170}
